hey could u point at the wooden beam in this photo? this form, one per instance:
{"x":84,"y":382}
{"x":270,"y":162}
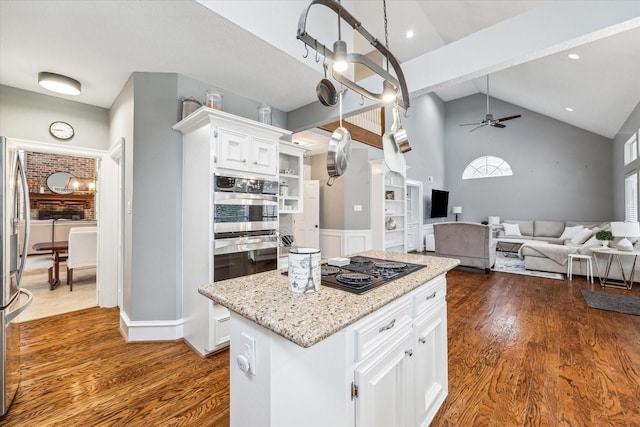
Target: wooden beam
{"x":357,"y":133}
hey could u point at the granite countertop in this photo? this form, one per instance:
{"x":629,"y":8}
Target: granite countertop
{"x":307,"y":319}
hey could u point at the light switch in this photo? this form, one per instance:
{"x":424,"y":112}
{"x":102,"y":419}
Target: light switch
{"x":357,"y":208}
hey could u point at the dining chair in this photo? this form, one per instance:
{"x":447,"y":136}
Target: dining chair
{"x":82,"y":252}
{"x":35,"y":263}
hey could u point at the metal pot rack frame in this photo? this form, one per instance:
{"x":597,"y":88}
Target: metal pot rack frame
{"x":343,"y":14}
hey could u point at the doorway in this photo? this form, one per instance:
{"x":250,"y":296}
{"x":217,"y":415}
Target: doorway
{"x":90,"y":288}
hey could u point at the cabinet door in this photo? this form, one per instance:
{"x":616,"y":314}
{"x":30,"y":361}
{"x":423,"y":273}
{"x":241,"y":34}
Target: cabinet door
{"x":430,"y":363}
{"x":384,"y":391}
{"x":263,"y":156}
{"x":233,"y":149}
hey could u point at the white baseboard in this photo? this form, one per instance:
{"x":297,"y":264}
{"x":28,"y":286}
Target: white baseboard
{"x":335,"y":243}
{"x":150,"y":330}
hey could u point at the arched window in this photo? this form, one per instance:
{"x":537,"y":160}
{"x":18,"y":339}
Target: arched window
{"x":487,"y":167}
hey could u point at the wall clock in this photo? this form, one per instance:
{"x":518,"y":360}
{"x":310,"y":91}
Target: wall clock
{"x":61,"y":130}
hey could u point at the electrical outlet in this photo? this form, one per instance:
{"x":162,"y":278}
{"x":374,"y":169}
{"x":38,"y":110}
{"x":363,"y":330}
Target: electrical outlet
{"x":249,"y":350}
{"x":430,"y":178}
{"x":357,"y":208}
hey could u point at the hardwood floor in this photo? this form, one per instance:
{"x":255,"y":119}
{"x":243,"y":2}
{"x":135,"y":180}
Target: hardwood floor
{"x":526,"y":351}
{"x":78,"y":371}
{"x":523,"y":351}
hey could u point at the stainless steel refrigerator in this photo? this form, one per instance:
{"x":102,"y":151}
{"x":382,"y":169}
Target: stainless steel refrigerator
{"x":14,"y":226}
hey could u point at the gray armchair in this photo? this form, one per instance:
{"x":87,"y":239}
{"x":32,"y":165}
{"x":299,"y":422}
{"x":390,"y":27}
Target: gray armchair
{"x":472,"y":243}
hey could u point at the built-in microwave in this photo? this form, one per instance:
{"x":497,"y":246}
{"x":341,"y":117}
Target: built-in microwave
{"x":244,"y":204}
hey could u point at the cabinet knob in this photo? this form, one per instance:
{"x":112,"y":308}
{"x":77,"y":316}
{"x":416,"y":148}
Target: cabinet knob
{"x":432,"y":296}
{"x":316,"y":225}
{"x":409,"y":352}
{"x":255,"y":162}
{"x":244,"y":160}
{"x":423,"y":340}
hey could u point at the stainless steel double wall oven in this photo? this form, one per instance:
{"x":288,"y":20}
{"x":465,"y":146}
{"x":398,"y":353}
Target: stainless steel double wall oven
{"x":245,"y":221}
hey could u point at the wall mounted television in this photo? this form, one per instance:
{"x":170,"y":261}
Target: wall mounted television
{"x":439,"y":204}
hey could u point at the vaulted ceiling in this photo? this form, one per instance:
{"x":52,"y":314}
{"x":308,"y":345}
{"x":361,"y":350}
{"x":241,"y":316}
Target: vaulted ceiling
{"x":249,"y":48}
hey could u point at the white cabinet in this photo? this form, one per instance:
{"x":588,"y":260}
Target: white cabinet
{"x":406,"y":381}
{"x":290,"y":175}
{"x":387,"y":369}
{"x":238,"y":151}
{"x":213,"y":142}
{"x":388,"y":209}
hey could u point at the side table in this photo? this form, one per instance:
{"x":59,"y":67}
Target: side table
{"x":605,"y":280}
{"x":579,"y":257}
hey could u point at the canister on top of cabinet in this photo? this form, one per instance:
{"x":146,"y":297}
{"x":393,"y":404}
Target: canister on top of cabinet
{"x":213,"y":99}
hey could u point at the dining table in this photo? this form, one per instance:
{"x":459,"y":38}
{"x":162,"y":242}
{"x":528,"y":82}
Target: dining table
{"x":59,"y":249}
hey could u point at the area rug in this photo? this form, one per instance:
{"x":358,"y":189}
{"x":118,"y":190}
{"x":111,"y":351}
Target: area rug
{"x":515,"y":265}
{"x":612,"y":302}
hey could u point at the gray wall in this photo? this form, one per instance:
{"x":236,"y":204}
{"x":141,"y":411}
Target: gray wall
{"x":631,"y":125}
{"x":27,"y":115}
{"x":559,"y":171}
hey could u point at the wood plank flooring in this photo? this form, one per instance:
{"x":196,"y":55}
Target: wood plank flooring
{"x":78,"y":371}
{"x":523,"y":351}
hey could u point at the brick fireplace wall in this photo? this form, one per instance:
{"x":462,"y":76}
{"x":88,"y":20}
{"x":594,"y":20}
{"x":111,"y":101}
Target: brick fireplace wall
{"x":40,"y":165}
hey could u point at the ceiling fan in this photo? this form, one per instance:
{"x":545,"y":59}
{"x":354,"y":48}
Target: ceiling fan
{"x":488,"y":119}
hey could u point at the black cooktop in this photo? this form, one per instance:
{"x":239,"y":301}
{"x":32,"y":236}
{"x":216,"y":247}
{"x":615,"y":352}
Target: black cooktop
{"x":364,"y":274}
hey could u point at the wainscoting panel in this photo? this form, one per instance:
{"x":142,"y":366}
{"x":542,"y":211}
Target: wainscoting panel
{"x":335,"y":243}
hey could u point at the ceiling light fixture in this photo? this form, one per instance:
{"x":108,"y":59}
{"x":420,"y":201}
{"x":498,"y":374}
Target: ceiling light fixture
{"x":340,"y":59}
{"x":59,"y":83}
{"x":569,"y":109}
{"x":389,"y":92}
{"x":409,"y":34}
{"x":573,"y":56}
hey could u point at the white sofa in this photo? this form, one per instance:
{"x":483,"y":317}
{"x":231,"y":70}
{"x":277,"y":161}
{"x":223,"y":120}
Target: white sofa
{"x":545,"y":249}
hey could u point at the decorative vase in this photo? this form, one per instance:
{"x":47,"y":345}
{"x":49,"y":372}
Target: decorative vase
{"x":605,"y":243}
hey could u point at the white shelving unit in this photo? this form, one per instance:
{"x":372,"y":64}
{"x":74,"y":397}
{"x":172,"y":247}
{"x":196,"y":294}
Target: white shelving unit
{"x":290,"y":168}
{"x":414,"y":215}
{"x":388,"y":208}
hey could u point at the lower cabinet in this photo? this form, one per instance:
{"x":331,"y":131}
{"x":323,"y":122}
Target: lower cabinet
{"x":405,"y":382}
{"x":387,"y":369}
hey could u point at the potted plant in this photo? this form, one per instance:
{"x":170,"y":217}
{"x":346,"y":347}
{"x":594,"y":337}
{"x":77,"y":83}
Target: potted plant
{"x":604,"y":236}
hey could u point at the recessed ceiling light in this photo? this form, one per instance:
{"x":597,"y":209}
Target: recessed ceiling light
{"x":569,"y":109}
{"x":574,"y":56}
{"x":409,"y":34}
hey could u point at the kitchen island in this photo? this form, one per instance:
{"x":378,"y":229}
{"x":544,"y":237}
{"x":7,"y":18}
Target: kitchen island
{"x":332,"y":357}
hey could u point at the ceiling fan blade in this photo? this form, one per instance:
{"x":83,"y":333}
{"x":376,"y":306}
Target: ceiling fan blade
{"x":498,"y":125}
{"x":478,"y":127}
{"x":471,"y":124}
{"x":504,"y":119}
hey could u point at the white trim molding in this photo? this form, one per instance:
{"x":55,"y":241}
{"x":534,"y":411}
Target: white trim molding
{"x":150,"y":330}
{"x":335,"y":243}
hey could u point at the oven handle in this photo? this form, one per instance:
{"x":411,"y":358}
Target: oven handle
{"x":245,"y":199}
{"x":242,"y":244}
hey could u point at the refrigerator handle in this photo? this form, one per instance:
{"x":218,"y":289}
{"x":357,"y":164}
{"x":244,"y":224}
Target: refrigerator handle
{"x":20,"y":309}
{"x":27,"y":220}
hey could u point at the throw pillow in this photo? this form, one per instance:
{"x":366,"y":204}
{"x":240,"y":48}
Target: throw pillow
{"x":581,"y":236}
{"x":570,"y":232}
{"x":511,"y":229}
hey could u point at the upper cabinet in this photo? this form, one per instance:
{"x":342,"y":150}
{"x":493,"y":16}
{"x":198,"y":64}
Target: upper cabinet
{"x":240,"y":146}
{"x":240,"y":151}
{"x":291,"y":163}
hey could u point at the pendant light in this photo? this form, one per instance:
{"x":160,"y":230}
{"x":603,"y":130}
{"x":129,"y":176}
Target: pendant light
{"x":340,"y":51}
{"x":59,"y":83}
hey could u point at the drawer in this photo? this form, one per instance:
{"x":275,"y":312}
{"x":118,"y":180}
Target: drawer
{"x":429,"y":295}
{"x":380,"y":327}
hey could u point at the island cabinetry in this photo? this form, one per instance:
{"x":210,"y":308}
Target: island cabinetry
{"x":205,"y":135}
{"x":404,"y":381}
{"x":387,"y":369}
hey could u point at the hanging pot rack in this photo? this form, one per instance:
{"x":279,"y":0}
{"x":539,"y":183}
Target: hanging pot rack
{"x":320,"y":48}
